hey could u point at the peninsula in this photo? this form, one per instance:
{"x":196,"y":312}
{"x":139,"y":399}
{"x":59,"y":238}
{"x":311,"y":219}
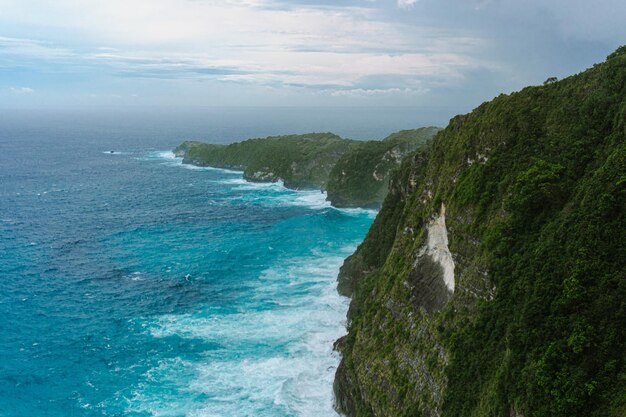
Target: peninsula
{"x":353,"y":173}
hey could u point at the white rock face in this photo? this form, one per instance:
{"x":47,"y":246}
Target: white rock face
{"x":437,"y":247}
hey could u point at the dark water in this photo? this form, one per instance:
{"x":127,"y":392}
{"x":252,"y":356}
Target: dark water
{"x":131,"y":285}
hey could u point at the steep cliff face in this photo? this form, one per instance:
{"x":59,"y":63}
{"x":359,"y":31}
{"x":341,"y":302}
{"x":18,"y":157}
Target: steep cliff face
{"x":354,"y":173}
{"x":300,"y":161}
{"x":492,"y":282}
{"x":360,"y":178}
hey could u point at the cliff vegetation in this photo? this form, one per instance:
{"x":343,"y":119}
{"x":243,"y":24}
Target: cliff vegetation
{"x":354,"y":173}
{"x":523,"y":201}
{"x":360,"y":178}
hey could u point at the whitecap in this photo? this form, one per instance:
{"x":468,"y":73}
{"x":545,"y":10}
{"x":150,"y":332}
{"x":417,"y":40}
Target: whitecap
{"x":203,"y":168}
{"x":245,"y":185}
{"x":135,"y":276}
{"x":233,"y":181}
{"x":276,"y":355}
{"x":358,"y":211}
{"x":313,"y":199}
{"x":170,"y":158}
{"x":115,"y":152}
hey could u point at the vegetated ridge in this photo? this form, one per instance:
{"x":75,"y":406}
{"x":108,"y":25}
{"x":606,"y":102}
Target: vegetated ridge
{"x":354,"y":173}
{"x":360,"y":178}
{"x":493,"y":280}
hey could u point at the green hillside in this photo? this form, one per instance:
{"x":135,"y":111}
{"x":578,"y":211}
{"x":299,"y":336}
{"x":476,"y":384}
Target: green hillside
{"x":522,"y":202}
{"x":360,"y":178}
{"x":301,"y":161}
{"x":355,"y":173}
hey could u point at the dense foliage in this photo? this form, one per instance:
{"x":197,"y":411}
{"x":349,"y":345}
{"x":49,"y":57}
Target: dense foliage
{"x":301,"y":161}
{"x":534,"y":185}
{"x":361,"y":177}
{"x":355,"y":173}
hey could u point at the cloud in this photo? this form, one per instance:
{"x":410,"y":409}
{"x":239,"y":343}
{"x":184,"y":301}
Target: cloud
{"x":22,"y":90}
{"x":264,"y":42}
{"x":354,"y":48}
{"x":373,"y":92}
{"x":33,"y":48}
{"x":406,"y":4}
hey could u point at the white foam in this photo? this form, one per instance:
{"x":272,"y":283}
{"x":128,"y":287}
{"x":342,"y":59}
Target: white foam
{"x":311,"y":198}
{"x":274,"y":360}
{"x":171,"y":159}
{"x":203,"y":168}
{"x":357,"y":211}
{"x":135,"y":276}
{"x":244,"y":185}
{"x":167,"y":155}
{"x":115,"y":153}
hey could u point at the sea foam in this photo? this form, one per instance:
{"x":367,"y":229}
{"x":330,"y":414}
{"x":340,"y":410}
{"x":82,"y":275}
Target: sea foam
{"x":313,"y":199}
{"x":274,"y":358}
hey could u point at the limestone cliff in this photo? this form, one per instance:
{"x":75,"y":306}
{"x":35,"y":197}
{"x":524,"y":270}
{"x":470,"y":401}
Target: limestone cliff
{"x":492,"y":281}
{"x":300,"y":161}
{"x":354,"y":173}
{"x":360,"y":178}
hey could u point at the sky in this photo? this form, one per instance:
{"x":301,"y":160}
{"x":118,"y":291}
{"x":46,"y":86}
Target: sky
{"x":431,"y":53}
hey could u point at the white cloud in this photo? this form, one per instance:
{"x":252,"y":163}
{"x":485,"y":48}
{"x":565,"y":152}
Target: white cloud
{"x":258,"y":41}
{"x":261,"y":42}
{"x":22,"y":90}
{"x":31,"y":47}
{"x":371,"y":92}
{"x":472,"y":49}
{"x":406,"y":4}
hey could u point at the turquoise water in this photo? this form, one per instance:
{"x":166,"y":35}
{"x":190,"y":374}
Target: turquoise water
{"x":132,"y":285}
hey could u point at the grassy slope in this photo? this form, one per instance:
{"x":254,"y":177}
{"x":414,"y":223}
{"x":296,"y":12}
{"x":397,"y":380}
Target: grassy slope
{"x":535,"y":189}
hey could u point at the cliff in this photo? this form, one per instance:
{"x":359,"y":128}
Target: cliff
{"x":355,"y":173}
{"x":300,"y":161}
{"x":492,"y":282}
{"x":360,"y":178}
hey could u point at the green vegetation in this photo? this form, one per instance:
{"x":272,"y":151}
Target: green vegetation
{"x":534,"y":188}
{"x":361,"y":177}
{"x":356,"y":173}
{"x":300,"y":161}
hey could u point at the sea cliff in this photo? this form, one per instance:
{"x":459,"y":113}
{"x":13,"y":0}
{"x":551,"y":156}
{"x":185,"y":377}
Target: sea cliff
{"x":354,"y":173}
{"x":492,"y":281}
{"x":360,"y":178}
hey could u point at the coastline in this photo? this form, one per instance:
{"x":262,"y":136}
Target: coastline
{"x":278,"y":181}
{"x":312,"y":320}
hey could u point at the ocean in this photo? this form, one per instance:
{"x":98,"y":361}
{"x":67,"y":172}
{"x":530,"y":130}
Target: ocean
{"x":133,"y":285}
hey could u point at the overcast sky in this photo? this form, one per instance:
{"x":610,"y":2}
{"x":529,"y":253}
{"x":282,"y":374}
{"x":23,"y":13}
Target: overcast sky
{"x":440,"y":53}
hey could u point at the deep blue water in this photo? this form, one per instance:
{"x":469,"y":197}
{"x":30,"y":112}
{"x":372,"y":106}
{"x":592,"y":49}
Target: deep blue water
{"x":131,"y":285}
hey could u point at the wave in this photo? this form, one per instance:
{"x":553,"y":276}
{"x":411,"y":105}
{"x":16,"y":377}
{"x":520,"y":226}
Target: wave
{"x":245,"y":185}
{"x":167,"y":155}
{"x":313,"y":199}
{"x":275,"y":355}
{"x":116,"y":153}
{"x":199,"y":168}
{"x":170,"y":158}
{"x":283,"y":196}
{"x":358,"y":211}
